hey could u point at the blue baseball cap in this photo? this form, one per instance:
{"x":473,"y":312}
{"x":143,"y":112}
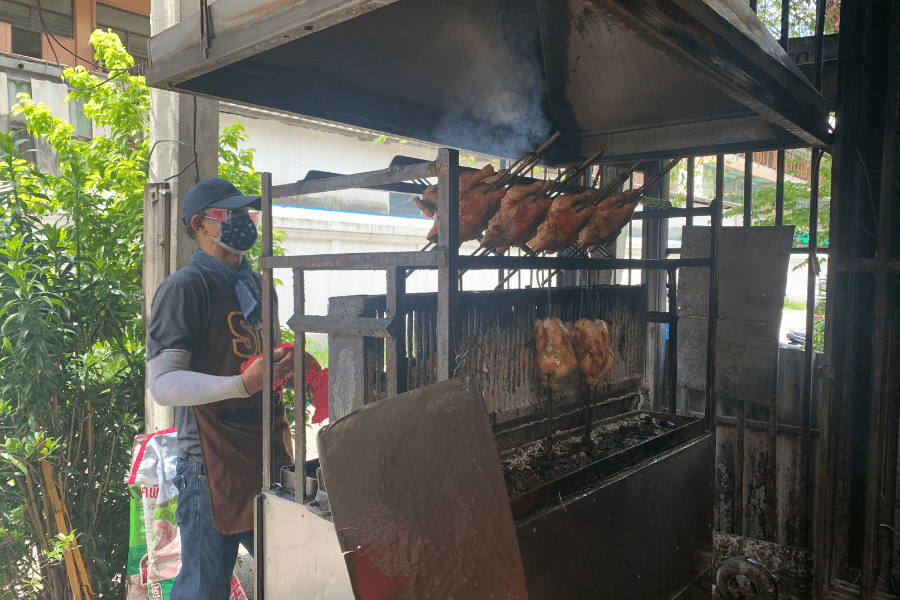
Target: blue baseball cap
{"x":214,"y":192}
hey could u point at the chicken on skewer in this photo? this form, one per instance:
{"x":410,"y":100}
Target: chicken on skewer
{"x":521,"y":211}
{"x":563,"y":222}
{"x":476,"y":207}
{"x":554,"y":360}
{"x":607,"y":221}
{"x":467,"y":180}
{"x":593,"y":354}
{"x":554,"y":357}
{"x":590,"y":341}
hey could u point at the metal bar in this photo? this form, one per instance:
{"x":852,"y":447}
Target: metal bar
{"x":886,"y":345}
{"x":808,"y":354}
{"x":362,"y":261}
{"x":614,"y":185}
{"x":402,"y":187}
{"x":570,"y":263}
{"x":779,"y":185}
{"x":820,"y":42}
{"x":395,"y":359}
{"x":782,"y":428}
{"x":880,"y":447}
{"x":863,"y":265}
{"x":651,"y":183}
{"x":268,"y":396}
{"x":785,"y":23}
{"x":259,"y":533}
{"x":674,"y":213}
{"x":567,"y":177}
{"x":527,"y":162}
{"x":748,"y":189}
{"x":713,"y":317}
{"x":771,"y":526}
{"x":357,"y":180}
{"x":672,"y":344}
{"x":448,"y":250}
{"x":739,"y":443}
{"x":355,"y":326}
{"x":823,"y":250}
{"x":656,"y":316}
{"x":720,"y":180}
{"x":299,"y":391}
{"x":689,"y":192}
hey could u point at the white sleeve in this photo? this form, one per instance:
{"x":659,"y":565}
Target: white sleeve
{"x":173,"y":384}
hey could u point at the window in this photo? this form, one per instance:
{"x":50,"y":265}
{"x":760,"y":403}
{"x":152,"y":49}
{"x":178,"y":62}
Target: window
{"x":82,"y":126}
{"x":24,"y":15}
{"x":132,"y":29}
{"x":26,"y":43}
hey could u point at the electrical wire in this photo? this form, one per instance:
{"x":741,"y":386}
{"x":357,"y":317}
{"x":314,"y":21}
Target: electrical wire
{"x":193,"y":148}
{"x":46,"y":29}
{"x":196,"y":164}
{"x":193,"y":160}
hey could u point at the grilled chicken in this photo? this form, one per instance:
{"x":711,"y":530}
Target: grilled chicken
{"x":467,"y":179}
{"x":521,"y":210}
{"x":426,"y":203}
{"x":554,"y":357}
{"x":607,"y":222}
{"x":590,"y":340}
{"x":563,"y":222}
{"x":475,"y":210}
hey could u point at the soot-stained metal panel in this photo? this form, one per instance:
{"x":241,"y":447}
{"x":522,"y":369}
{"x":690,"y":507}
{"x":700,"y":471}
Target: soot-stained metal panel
{"x":418,"y":499}
{"x":498,"y":76}
{"x":643,"y":534}
{"x":752,"y":263}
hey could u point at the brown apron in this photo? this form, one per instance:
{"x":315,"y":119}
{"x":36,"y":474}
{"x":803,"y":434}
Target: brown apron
{"x":230,"y":431}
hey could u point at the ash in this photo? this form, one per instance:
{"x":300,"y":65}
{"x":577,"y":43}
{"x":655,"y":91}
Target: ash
{"x":528,"y":467}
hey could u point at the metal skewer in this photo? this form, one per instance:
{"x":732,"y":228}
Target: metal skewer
{"x":611,"y":186}
{"x":550,"y":424}
{"x":568,"y":176}
{"x":647,"y":184}
{"x":522,"y":165}
{"x":586,"y":397}
{"x":630,"y":197}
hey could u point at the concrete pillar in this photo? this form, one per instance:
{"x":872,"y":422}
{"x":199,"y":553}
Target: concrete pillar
{"x":193,"y":124}
{"x":85,"y":13}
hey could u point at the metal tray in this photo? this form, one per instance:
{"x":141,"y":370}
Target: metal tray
{"x":580,"y":480}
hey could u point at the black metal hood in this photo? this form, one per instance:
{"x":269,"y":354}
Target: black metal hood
{"x":634,"y":78}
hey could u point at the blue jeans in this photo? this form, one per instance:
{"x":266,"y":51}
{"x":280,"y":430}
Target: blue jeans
{"x":207,"y":556}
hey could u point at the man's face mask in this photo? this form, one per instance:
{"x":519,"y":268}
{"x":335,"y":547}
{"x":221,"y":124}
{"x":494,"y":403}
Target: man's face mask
{"x":237,"y":228}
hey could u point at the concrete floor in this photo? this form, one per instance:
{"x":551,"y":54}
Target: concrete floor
{"x":244,"y":571}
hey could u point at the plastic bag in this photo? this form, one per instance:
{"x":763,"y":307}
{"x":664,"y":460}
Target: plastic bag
{"x":154,"y":551}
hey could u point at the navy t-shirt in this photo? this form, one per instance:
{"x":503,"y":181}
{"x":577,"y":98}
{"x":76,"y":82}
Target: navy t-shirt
{"x":179,"y":320}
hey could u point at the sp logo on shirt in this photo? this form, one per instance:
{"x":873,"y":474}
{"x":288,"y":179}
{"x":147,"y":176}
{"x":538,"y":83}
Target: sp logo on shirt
{"x":247,"y":341}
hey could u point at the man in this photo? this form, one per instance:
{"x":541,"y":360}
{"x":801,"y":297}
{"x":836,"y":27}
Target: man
{"x":205,"y":322}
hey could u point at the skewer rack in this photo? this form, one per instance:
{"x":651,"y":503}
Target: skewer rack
{"x":445,"y":258}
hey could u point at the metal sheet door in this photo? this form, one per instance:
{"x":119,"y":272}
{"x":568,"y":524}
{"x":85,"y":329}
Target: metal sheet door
{"x":418,"y":499}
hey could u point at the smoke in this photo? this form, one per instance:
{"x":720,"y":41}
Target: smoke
{"x":497,"y":99}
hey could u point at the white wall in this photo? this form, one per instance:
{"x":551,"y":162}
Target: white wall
{"x":289,"y":152}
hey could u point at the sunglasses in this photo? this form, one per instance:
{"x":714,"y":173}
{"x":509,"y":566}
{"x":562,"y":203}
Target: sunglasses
{"x":224,"y":215}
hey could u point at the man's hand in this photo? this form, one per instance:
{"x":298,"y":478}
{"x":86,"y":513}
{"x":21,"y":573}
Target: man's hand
{"x":253,"y":376}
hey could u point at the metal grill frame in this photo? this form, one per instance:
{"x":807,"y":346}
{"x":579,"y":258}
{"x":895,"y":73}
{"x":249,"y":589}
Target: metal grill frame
{"x":446,"y":259}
